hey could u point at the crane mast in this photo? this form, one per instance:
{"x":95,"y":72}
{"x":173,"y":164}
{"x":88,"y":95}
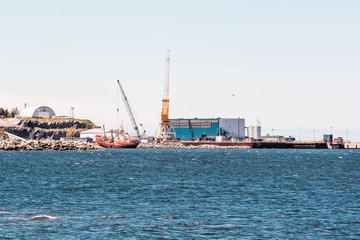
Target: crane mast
{"x":127,"y":105}
{"x":165,"y":101}
{"x":165,"y":131}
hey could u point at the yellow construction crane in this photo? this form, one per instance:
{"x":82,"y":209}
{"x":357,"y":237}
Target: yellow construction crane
{"x":165,"y":132}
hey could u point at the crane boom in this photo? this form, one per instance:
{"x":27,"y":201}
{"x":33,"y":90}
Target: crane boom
{"x":166,"y":87}
{"x":127,"y":105}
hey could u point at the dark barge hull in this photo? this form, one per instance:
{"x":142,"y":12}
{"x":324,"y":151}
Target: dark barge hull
{"x":280,"y":145}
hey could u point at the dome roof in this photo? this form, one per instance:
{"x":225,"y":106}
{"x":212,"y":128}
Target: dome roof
{"x":28,"y":112}
{"x":42,"y":111}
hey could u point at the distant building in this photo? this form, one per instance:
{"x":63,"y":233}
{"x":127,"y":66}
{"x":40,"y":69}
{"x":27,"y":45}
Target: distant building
{"x":205,"y":128}
{"x":328,"y":138}
{"x":288,"y":139}
{"x":338,"y":140}
{"x":38,"y":112}
{"x":352,"y":145}
{"x":91,"y":133}
{"x":272,"y":138}
{"x":278,"y":138}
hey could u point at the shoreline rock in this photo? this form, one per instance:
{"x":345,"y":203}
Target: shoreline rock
{"x":179,"y":145}
{"x":39,"y":130}
{"x":55,"y":145}
{"x":44,"y":145}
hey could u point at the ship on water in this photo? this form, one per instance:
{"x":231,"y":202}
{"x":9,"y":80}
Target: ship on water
{"x":120,"y":140}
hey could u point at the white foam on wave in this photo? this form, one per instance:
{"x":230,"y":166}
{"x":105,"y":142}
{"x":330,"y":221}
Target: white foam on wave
{"x":14,"y":218}
{"x":43,"y":217}
{"x":112,"y":217}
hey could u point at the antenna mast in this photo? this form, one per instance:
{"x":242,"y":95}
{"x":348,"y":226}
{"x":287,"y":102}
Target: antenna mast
{"x":165,"y":131}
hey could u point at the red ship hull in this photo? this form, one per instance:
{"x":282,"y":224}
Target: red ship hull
{"x":117,"y":143}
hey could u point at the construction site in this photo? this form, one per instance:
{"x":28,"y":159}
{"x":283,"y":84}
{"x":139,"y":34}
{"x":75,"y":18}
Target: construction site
{"x":222,"y":132}
{"x":41,"y":122}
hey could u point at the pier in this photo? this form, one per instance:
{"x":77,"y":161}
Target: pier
{"x":268,"y":145}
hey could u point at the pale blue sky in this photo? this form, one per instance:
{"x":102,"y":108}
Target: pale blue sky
{"x":292,"y":63}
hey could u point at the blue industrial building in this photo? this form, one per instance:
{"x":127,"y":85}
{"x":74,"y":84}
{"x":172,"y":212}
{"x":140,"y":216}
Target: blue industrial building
{"x":192,"y":129}
{"x":189,"y":129}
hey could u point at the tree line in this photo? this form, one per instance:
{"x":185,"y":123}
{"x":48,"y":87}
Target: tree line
{"x":9,"y":113}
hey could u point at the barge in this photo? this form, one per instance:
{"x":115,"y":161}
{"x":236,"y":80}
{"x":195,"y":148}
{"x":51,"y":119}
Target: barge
{"x":268,"y":145}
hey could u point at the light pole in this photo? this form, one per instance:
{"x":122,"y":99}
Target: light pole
{"x":72,"y":112}
{"x":314,"y":134}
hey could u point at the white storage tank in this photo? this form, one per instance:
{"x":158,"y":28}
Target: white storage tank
{"x":255,"y":132}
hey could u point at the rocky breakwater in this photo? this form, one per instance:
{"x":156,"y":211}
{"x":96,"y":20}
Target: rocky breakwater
{"x":3,"y":135}
{"x":54,"y":125}
{"x":40,"y":129}
{"x":179,"y":145}
{"x":51,"y":145}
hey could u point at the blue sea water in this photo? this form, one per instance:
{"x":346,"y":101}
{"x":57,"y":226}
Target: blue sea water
{"x":180,"y":194}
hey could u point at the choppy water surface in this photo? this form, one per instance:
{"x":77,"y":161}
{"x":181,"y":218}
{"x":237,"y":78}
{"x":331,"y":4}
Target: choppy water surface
{"x":196,"y":194}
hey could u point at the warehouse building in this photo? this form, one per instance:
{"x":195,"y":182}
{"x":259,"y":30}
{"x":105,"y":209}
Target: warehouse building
{"x":38,"y":112}
{"x":205,"y":128}
{"x":92,"y":133}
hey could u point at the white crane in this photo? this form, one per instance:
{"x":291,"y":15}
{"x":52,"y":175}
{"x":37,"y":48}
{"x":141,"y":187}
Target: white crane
{"x":127,"y":105}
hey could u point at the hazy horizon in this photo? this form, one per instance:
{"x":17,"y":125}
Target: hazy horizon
{"x":292,"y":64}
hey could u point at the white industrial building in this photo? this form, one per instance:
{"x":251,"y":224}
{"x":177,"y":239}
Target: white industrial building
{"x":234,"y":127}
{"x":38,"y":112}
{"x":91,"y":133}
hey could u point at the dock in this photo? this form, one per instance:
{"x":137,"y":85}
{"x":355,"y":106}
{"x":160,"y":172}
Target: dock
{"x":268,"y":145}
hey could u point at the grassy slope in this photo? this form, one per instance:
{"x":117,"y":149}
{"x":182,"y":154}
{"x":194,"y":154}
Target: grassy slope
{"x":59,"y":120}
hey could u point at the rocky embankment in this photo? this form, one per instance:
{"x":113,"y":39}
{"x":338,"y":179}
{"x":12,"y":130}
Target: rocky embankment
{"x":32,"y":129}
{"x":54,"y":125}
{"x":179,"y":145}
{"x":37,"y":133}
{"x":51,"y":145}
